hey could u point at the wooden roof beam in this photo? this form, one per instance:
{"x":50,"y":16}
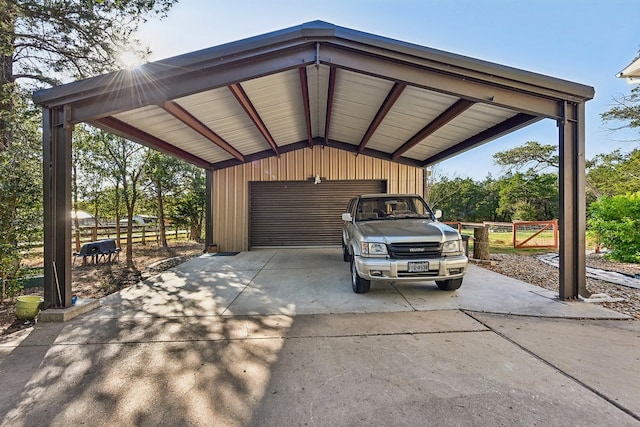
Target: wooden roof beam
{"x":185,"y":117}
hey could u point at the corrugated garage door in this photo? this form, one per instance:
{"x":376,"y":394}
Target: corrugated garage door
{"x":301,"y":213}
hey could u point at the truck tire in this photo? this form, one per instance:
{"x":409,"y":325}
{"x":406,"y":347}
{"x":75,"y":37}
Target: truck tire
{"x":449,"y":284}
{"x":359,"y":285}
{"x":346,"y":257}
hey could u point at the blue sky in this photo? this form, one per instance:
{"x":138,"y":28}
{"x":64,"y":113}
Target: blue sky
{"x":586,"y":41}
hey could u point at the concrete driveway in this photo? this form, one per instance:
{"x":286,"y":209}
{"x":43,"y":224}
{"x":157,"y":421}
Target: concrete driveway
{"x":277,"y":337}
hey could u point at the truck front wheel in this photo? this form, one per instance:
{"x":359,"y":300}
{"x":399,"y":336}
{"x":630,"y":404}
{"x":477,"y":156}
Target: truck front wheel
{"x":346,"y":257}
{"x":449,"y":284}
{"x":359,"y":285}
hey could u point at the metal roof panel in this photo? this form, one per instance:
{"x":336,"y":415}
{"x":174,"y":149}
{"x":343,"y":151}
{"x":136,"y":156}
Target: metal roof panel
{"x":277,"y":98}
{"x":162,"y":125}
{"x":356,"y":102}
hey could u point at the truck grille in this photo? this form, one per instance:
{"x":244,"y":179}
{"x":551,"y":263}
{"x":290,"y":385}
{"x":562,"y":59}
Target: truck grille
{"x":414,"y":250}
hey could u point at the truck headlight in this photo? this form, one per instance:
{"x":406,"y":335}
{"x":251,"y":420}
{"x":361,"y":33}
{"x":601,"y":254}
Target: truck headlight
{"x":373,"y":249}
{"x":452,"y":247}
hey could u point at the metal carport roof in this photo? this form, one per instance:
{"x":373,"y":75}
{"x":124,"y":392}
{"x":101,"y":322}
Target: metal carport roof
{"x":318,"y":84}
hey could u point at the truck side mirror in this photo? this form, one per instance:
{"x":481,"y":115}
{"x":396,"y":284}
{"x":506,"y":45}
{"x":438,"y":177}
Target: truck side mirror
{"x":347,"y":217}
{"x":438,"y":214}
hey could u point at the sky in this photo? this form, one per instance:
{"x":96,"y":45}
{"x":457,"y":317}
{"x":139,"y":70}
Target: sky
{"x":585,"y":41}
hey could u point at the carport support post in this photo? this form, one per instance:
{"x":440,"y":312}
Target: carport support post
{"x":56,"y":159}
{"x":209,"y":232}
{"x":572,"y":202}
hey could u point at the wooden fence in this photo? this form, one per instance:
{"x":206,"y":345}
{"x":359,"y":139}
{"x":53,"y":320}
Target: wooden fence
{"x":523,"y":234}
{"x":141,"y":234}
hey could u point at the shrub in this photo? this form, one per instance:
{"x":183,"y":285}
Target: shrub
{"x":615,"y":223}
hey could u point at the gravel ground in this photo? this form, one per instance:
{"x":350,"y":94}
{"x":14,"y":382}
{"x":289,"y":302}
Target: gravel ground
{"x":531,"y":270}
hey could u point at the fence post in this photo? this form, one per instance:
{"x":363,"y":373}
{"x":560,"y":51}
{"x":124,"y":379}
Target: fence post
{"x":481,"y":243}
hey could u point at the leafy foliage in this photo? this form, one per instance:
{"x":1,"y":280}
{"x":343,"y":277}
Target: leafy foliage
{"x":626,"y":111}
{"x":20,"y":194}
{"x":464,"y":199}
{"x":533,"y":154}
{"x":164,"y":175}
{"x":529,"y":197}
{"x":189,"y":207}
{"x":615,"y":173}
{"x":49,"y":41}
{"x":615,"y":223}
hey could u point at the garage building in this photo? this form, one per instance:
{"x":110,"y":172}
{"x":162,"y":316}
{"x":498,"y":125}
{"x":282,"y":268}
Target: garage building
{"x":352,"y":111}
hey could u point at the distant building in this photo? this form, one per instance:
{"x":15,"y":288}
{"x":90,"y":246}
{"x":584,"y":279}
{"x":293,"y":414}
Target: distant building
{"x":85,"y":219}
{"x":141,"y":220}
{"x":631,"y":72}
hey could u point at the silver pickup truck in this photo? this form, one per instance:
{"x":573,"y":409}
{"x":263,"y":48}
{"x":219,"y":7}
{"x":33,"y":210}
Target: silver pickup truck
{"x":396,"y":237}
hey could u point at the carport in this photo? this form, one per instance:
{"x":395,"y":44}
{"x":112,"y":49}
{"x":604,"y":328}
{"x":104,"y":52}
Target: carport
{"x":309,"y":86}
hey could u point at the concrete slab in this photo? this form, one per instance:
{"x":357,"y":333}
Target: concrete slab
{"x":263,"y":338}
{"x":486,"y":291}
{"x":603,"y":355}
{"x":312,"y":290}
{"x":81,"y":306}
{"x":178,"y":293}
{"x":464,"y":379}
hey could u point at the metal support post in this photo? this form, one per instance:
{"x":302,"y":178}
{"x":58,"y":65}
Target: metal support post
{"x":572,"y":202}
{"x":56,"y":144}
{"x":209,"y":226}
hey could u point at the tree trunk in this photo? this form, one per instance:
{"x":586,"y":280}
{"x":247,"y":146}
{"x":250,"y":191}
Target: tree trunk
{"x":129,"y":250}
{"x":481,"y":243}
{"x":117,"y":209}
{"x":161,"y":227}
{"x":76,"y":221}
{"x":94,"y":233}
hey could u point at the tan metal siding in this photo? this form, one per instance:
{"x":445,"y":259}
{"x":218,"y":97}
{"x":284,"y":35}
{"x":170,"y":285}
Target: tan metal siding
{"x":231,"y":185}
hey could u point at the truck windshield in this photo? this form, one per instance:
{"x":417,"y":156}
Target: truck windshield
{"x":380,"y":208}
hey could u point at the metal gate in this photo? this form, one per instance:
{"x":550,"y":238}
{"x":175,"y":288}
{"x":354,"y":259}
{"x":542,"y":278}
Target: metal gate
{"x":302,"y":213}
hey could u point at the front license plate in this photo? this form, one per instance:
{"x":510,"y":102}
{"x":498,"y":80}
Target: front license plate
{"x":418,"y":267}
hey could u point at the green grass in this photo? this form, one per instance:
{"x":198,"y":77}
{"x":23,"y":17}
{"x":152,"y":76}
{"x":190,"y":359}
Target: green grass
{"x":502,"y":243}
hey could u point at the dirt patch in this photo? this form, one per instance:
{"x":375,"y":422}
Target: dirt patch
{"x":97,"y":281}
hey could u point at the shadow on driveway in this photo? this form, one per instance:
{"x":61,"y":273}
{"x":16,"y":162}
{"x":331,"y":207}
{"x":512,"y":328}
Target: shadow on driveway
{"x":277,"y":337}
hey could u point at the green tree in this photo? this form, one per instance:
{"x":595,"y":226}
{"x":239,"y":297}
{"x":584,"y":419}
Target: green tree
{"x":625,"y":114}
{"x":121,"y":162}
{"x":538,"y":157}
{"x":20,"y":195}
{"x":463,"y":199}
{"x":615,"y":173}
{"x":44,"y":42}
{"x":164,"y":173}
{"x":615,"y":223}
{"x":534,"y":158}
{"x":189,"y":206}
{"x":529,"y":197}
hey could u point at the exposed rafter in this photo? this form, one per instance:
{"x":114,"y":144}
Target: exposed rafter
{"x":185,"y":117}
{"x":130,"y":132}
{"x":304,"y":87}
{"x":245,"y":102}
{"x":510,"y":125}
{"x":330,"y":95}
{"x":449,"y":114}
{"x":384,"y":109}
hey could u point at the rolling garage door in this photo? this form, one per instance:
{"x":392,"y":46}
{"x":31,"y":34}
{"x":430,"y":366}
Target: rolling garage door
{"x":301,"y":213}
